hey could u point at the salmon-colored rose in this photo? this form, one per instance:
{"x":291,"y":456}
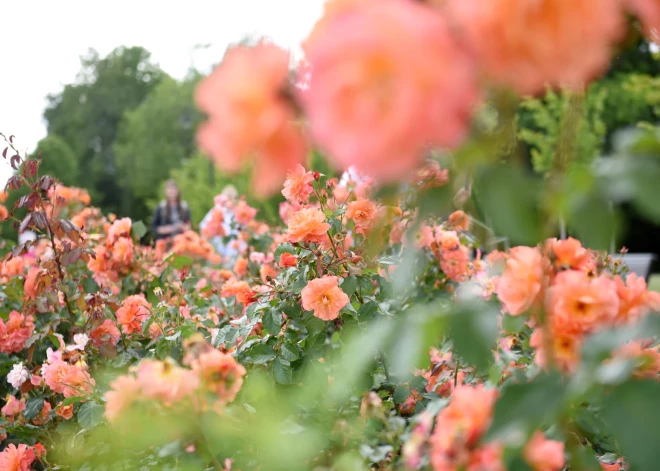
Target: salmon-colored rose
{"x":15,"y":332}
{"x":132,"y":313}
{"x":531,"y":45}
{"x":66,"y":412}
{"x":241,"y":290}
{"x":220,"y":373}
{"x":107,"y":333}
{"x":363,"y":212}
{"x":30,"y":287}
{"x":324,"y":297}
{"x":288,"y":260}
{"x":120,"y":228}
{"x":308,"y":225}
{"x":459,"y":221}
{"x":543,"y":454}
{"x":374,"y":99}
{"x":16,"y":458}
{"x":249,"y":116}
{"x":521,"y":284}
{"x":569,"y":253}
{"x":298,"y":185}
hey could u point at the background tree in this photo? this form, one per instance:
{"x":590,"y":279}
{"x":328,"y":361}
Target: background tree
{"x":58,"y":159}
{"x":87,"y":114}
{"x":153,"y":139}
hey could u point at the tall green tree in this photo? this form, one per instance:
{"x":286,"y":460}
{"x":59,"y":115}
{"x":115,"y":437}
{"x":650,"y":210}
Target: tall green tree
{"x":58,"y":159}
{"x":153,"y":139}
{"x":87,"y":113}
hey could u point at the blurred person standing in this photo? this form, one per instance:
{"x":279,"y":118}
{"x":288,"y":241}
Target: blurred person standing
{"x":172,"y":216}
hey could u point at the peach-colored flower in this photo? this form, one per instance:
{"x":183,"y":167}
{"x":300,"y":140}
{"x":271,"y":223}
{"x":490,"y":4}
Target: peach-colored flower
{"x":106,"y":333}
{"x":13,"y":407}
{"x":521,"y":284}
{"x":120,"y":228}
{"x":249,"y":116}
{"x":165,"y":381}
{"x":569,"y":253}
{"x":374,"y":99}
{"x":363,"y":212}
{"x":30,"y":287}
{"x":4,"y":213}
{"x":244,"y":213}
{"x":215,"y":225}
{"x":15,"y":332}
{"x":15,"y":458}
{"x":298,"y":185}
{"x":267,"y":271}
{"x":124,"y":390}
{"x":39,"y":450}
{"x":66,"y":412}
{"x":288,"y":260}
{"x":565,"y":348}
{"x":648,"y":359}
{"x":122,"y":251}
{"x":579,"y":304}
{"x":241,"y":290}
{"x":543,"y":454}
{"x":132,"y":313}
{"x":455,"y":263}
{"x":633,"y":298}
{"x":531,"y":45}
{"x":220,"y":373}
{"x":63,"y":378}
{"x":308,"y":225}
{"x":459,"y":221}
{"x":324,"y":297}
{"x":240,"y":267}
{"x":11,"y":268}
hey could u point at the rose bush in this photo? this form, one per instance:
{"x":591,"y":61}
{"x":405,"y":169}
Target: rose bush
{"x":377,"y":327}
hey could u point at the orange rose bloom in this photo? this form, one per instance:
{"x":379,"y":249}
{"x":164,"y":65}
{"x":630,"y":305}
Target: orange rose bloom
{"x":220,"y":373}
{"x":119,"y":228}
{"x":530,"y":45}
{"x":30,"y":286}
{"x":241,"y":289}
{"x":543,"y":454}
{"x":569,"y":253}
{"x":362,"y":212}
{"x":324,"y":297}
{"x":459,"y":221}
{"x":4,"y":213}
{"x":298,"y":185}
{"x":240,"y":266}
{"x":288,"y":260}
{"x":15,"y":458}
{"x":578,"y":304}
{"x":520,"y":286}
{"x":308,"y":225}
{"x":133,"y":312}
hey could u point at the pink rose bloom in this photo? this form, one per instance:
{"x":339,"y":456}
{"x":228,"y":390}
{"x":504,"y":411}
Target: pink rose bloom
{"x":220,"y":373}
{"x":165,"y":381}
{"x":249,"y":117}
{"x":244,"y":213}
{"x":531,"y":45}
{"x":15,"y":458}
{"x":324,"y":297}
{"x":375,"y":99}
{"x":13,"y":407}
{"x":543,"y":454}
{"x":455,"y":263}
{"x":124,"y":390}
{"x":298,"y":185}
{"x":15,"y":332}
{"x":521,"y":284}
{"x":120,"y":228}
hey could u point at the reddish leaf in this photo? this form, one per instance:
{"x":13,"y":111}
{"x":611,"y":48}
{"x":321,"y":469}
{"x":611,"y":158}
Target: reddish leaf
{"x":45,"y":182}
{"x":14,"y":183}
{"x":30,"y":168}
{"x":40,"y":219}
{"x":11,"y":139}
{"x":15,"y":161}
{"x":4,"y":153}
{"x":25,"y":223}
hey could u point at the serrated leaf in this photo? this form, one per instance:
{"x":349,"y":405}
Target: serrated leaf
{"x":349,"y":285}
{"x":284,"y":248}
{"x":401,"y":394}
{"x":282,"y":371}
{"x":289,"y":352}
{"x":272,"y":321}
{"x":90,"y":415}
{"x":261,"y":354}
{"x":32,"y":407}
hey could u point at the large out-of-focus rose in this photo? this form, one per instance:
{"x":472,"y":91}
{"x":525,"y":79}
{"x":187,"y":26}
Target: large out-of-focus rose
{"x":528,"y":45}
{"x":249,"y":118}
{"x":387,"y":82}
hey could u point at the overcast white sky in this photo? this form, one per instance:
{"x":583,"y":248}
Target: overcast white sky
{"x":41,"y":42}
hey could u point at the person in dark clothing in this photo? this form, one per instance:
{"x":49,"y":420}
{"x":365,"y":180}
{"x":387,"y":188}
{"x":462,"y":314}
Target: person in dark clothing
{"x":172,"y":216}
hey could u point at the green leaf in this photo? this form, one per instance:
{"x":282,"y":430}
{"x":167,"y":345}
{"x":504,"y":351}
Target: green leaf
{"x":436,"y":201}
{"x":292,"y":310}
{"x":510,"y":200}
{"x":282,"y":371}
{"x":289,"y":352}
{"x":401,"y":394}
{"x":594,"y":222}
{"x":349,"y":285}
{"x":180,"y":261}
{"x":272,"y":320}
{"x":632,"y":411}
{"x":368,"y":311}
{"x":138,"y":229}
{"x":312,"y":323}
{"x":474,"y":330}
{"x":524,"y":407}
{"x":90,"y":415}
{"x":261,"y":354}
{"x":32,"y":407}
{"x":72,"y":400}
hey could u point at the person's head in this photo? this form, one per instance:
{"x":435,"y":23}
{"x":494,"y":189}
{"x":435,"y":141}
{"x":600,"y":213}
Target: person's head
{"x":172,"y":192}
{"x":229,"y":192}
